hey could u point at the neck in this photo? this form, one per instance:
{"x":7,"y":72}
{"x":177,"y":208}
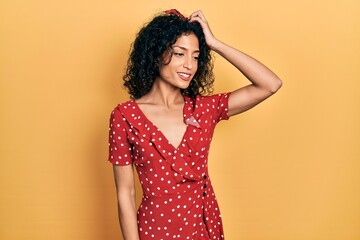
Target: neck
{"x":164,"y":94}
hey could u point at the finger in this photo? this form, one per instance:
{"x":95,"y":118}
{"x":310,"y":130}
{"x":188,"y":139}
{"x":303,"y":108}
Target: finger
{"x":198,"y":19}
{"x":194,"y":13}
{"x":201,"y":15}
{"x":198,"y":14}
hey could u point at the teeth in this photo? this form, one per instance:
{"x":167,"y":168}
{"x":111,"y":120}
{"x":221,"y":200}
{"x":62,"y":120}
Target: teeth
{"x":184,"y":75}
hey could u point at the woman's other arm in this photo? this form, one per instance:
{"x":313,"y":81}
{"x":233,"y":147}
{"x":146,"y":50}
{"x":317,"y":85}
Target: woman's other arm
{"x":125,"y":187}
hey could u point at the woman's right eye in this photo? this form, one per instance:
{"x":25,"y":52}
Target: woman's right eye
{"x":178,"y":54}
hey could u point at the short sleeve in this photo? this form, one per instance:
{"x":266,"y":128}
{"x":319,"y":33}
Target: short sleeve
{"x":220,"y":104}
{"x":120,"y":149}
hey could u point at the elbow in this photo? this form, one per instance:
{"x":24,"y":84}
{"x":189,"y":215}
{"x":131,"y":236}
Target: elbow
{"x":276,"y":86}
{"x":126,"y":194}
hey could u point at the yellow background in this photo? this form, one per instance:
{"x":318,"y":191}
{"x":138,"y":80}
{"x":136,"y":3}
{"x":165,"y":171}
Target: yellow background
{"x":288,"y":169}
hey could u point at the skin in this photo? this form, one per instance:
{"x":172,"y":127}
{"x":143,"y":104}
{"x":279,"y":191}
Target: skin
{"x":163,"y":105}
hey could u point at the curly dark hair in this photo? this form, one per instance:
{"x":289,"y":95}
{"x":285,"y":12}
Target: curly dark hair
{"x":151,"y":42}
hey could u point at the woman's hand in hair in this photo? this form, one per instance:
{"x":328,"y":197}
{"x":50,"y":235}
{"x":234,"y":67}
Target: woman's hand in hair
{"x":199,"y":17}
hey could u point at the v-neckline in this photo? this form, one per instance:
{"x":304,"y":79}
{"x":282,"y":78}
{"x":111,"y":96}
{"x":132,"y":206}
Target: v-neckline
{"x":161,"y":133}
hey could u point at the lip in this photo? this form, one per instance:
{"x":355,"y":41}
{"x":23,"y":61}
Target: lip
{"x":185,"y":76}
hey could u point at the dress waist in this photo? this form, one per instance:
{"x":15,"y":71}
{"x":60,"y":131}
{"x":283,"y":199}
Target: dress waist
{"x":193,"y":187}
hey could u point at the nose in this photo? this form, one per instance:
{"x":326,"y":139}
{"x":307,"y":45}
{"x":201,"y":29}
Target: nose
{"x":188,"y":63}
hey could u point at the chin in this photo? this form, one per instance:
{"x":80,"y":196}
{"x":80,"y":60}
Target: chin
{"x":184,"y":84}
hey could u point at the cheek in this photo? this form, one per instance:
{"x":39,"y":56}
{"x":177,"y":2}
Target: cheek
{"x":196,"y":66}
{"x":164,"y":71}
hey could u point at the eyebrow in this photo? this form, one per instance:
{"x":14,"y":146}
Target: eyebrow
{"x":184,"y":48}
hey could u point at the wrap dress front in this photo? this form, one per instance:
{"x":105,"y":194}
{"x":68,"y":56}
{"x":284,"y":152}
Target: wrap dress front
{"x":178,"y":199}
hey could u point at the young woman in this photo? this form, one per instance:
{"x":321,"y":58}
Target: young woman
{"x":166,"y":128}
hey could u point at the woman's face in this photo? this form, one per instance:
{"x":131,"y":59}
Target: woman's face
{"x":180,"y":67}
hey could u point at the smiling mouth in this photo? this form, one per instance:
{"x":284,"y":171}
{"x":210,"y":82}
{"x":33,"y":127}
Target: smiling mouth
{"x":184,"y":76}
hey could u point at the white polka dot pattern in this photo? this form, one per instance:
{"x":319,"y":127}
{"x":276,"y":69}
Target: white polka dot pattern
{"x":178,"y":198}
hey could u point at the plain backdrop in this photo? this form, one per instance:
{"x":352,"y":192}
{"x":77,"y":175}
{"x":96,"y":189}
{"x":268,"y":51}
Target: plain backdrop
{"x":286,"y":169}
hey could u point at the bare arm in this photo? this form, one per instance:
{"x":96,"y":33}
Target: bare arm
{"x":264,"y":82}
{"x":125,"y":186}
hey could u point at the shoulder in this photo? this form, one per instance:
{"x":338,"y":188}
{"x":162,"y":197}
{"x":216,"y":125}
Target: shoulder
{"x":212,"y":99}
{"x":118,"y":113}
{"x":122,"y":106}
{"x":216,"y":105}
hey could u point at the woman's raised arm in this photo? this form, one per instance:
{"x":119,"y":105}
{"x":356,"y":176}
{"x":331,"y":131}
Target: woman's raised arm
{"x":264,"y":82}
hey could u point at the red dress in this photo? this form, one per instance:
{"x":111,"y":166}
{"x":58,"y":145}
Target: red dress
{"x":178,"y":199}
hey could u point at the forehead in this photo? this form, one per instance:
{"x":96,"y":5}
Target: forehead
{"x":188,"y":41}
